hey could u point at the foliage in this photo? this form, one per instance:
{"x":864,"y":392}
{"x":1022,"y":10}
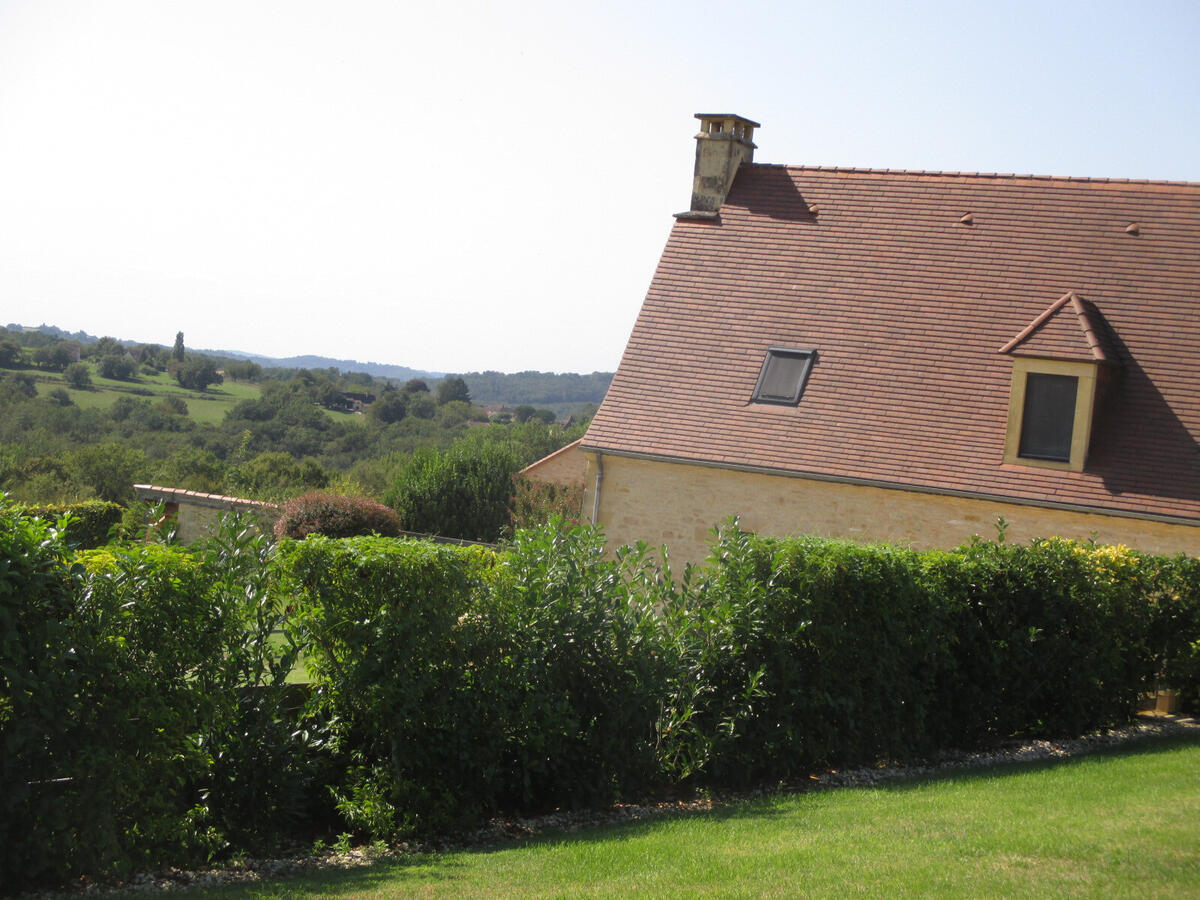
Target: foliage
{"x":17,"y":386}
{"x":577,"y":672}
{"x":537,"y":502}
{"x":460,"y":493}
{"x":146,"y":716}
{"x":537,"y":388}
{"x":271,"y":476}
{"x":197,"y":373}
{"x":142,"y":705}
{"x":86,"y":525}
{"x":335,"y":516}
{"x":391,"y":645}
{"x":452,"y":390}
{"x":78,"y":375}
{"x":40,"y":651}
{"x":116,"y":365}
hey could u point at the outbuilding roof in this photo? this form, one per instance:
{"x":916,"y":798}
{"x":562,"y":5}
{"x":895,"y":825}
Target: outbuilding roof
{"x":906,"y":284}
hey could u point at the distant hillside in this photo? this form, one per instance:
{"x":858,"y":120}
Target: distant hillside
{"x":380,"y":370}
{"x":561,"y":392}
{"x":549,"y":389}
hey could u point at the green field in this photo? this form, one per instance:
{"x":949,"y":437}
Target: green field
{"x":207,"y":406}
{"x":1122,"y":823}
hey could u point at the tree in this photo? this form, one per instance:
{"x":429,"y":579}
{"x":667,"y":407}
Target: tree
{"x":105,"y":346}
{"x":177,"y":352}
{"x":119,"y":366}
{"x":452,"y":389}
{"x":274,"y":475}
{"x":197,"y":373}
{"x":17,"y":386}
{"x":463,"y":492}
{"x":78,"y":375}
{"x":416,"y":386}
{"x":523,"y":413}
{"x":422,"y":407}
{"x":110,"y":470}
{"x":10,"y":354}
{"x":54,"y":357}
{"x":59,"y":396}
{"x":390,"y":407}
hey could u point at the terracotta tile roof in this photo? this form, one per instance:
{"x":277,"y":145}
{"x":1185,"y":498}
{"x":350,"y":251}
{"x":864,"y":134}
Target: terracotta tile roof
{"x":907,"y":283}
{"x":154,"y":493}
{"x":1052,"y":335}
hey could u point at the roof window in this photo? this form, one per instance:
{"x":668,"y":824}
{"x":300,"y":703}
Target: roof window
{"x":784,"y":372}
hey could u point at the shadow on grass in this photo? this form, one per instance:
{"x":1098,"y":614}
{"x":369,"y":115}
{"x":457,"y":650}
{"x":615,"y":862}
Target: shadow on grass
{"x":434,"y":869}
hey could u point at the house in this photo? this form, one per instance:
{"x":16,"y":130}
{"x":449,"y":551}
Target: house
{"x":909,"y":357}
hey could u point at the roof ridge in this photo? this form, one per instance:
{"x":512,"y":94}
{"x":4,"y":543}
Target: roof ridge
{"x":952,"y":174}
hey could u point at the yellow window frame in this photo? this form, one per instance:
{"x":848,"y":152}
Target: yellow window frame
{"x":1085,"y":402}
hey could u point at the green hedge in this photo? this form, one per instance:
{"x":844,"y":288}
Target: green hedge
{"x":144,"y":716}
{"x":91,"y":521}
{"x":137,"y":715}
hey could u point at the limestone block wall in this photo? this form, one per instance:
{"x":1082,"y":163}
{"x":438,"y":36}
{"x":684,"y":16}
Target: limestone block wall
{"x":564,"y":466}
{"x":197,"y":514}
{"x":677,"y":505}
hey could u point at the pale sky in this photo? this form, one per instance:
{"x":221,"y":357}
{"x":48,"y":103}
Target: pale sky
{"x":472,"y":185}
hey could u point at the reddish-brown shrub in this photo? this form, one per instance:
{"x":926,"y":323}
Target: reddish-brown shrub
{"x":334,"y":515}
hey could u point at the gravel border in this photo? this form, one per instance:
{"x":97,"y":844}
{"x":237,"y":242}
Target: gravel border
{"x":512,"y":830}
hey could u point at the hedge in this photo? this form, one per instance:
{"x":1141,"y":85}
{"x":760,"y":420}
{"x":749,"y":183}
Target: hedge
{"x":145,"y":719}
{"x":91,"y":521}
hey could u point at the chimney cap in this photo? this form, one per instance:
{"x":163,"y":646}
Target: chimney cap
{"x":734,"y":116}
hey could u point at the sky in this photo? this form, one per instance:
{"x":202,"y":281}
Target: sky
{"x":468,"y":186}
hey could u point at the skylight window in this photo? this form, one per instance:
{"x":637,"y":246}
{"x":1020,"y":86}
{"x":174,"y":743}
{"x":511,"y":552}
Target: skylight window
{"x":784,"y":372}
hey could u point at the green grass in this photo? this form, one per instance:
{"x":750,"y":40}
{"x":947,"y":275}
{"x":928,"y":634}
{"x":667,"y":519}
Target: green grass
{"x":1116,"y":824}
{"x":207,"y":407}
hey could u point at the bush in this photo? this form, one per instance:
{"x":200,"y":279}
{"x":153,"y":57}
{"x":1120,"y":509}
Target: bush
{"x":40,"y":649}
{"x":143,"y":712}
{"x":535,"y":502}
{"x":462,"y":492}
{"x":90,"y":523}
{"x":335,"y":516}
{"x":392,"y":646}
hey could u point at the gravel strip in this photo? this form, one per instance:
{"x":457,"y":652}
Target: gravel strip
{"x":507,"y":830}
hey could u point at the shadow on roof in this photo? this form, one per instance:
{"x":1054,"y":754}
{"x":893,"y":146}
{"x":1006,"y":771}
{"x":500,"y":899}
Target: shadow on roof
{"x":770,"y":191}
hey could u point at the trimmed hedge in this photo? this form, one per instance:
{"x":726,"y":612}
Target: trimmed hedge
{"x":145,"y":719}
{"x":336,"y":516}
{"x":91,"y":523}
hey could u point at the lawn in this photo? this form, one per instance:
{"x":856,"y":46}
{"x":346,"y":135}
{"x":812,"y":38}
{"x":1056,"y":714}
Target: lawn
{"x":207,"y":406}
{"x":1122,"y":823}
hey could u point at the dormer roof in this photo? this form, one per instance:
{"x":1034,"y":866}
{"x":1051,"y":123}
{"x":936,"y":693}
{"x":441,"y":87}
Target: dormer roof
{"x":1071,"y":328}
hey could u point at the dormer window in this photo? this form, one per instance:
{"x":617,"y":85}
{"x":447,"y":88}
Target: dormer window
{"x":1057,"y":364}
{"x":783,"y":375}
{"x":1048,"y":416}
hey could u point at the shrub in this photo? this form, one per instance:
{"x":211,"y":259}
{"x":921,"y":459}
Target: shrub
{"x":335,"y":516}
{"x":89,"y":524}
{"x":78,"y":375}
{"x":462,"y":492}
{"x":1049,"y":638}
{"x":536,"y":502}
{"x":392,"y":656}
{"x":577,"y":671}
{"x":40,"y":649}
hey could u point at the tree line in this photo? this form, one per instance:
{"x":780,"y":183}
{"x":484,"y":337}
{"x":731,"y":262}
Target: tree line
{"x":281,"y":440}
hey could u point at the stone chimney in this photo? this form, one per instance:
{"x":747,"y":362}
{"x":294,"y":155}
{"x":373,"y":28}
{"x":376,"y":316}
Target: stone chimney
{"x":725,"y":141}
